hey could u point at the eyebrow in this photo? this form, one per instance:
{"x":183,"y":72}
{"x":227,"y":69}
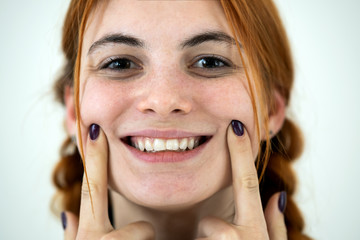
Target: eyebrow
{"x":208,"y":36}
{"x":119,"y":38}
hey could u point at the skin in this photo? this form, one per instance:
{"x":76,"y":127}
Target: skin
{"x":168,"y":88}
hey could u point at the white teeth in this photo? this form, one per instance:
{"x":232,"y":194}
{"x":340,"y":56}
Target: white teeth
{"x":148,"y":145}
{"x":191,"y":143}
{"x":183,"y":143}
{"x":141,"y":145}
{"x":156,"y":144}
{"x":159,"y":145}
{"x":172,"y":144}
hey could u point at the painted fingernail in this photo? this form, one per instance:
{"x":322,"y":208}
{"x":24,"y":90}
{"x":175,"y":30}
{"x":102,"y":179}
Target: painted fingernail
{"x":282,"y":201}
{"x":94,"y":131}
{"x":63,"y":220}
{"x":238,"y":127}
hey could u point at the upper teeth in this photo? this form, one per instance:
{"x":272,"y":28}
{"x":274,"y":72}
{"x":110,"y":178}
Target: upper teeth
{"x":157,"y":144}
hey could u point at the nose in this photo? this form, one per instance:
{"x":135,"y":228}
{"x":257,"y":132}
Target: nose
{"x":165,"y":97}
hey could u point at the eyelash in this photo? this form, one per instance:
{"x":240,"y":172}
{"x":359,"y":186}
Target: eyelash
{"x":214,"y":60}
{"x":113,"y":60}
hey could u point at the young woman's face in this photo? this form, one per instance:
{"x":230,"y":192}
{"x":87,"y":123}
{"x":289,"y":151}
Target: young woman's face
{"x":164,"y":75}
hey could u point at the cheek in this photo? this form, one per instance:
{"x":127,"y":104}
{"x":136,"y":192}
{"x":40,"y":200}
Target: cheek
{"x":227,"y":100}
{"x":102,"y":103}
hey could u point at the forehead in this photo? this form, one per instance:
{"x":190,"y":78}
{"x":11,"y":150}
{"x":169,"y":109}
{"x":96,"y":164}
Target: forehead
{"x":157,"y":22}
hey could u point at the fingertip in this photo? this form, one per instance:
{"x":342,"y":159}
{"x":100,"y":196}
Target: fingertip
{"x":63,"y":220}
{"x":274,"y":216}
{"x":277,"y":203}
{"x":237,"y":137}
{"x":70,"y":224}
{"x":238,"y":127}
{"x":236,"y":131}
{"x":94,"y":131}
{"x":96,"y":139}
{"x":282,"y":201}
{"x":273,"y":206}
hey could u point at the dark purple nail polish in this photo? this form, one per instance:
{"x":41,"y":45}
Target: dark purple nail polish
{"x":238,"y":127}
{"x":282,"y":201}
{"x":63,"y":220}
{"x":94,"y":131}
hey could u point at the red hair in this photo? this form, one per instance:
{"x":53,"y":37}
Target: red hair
{"x":257,"y":25}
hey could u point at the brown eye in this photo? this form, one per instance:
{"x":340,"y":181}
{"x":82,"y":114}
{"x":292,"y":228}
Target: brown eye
{"x":120,"y":64}
{"x":211,"y":66}
{"x":210,"y":62}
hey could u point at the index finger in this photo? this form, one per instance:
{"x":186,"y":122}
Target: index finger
{"x":248,"y":208}
{"x":94,"y":198}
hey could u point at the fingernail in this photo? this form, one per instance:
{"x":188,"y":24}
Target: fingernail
{"x":282,"y":201}
{"x":94,"y":131}
{"x":238,"y":127}
{"x":63,"y":220}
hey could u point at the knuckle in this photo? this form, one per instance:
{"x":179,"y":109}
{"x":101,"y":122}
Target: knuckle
{"x":250,"y":182}
{"x":88,"y":188}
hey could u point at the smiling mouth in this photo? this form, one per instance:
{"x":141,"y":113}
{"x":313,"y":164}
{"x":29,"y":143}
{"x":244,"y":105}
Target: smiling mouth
{"x":153,"y":145}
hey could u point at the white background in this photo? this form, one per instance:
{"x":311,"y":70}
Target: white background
{"x":326,"y":45}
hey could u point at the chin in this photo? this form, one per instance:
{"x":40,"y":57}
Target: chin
{"x":167,"y":194}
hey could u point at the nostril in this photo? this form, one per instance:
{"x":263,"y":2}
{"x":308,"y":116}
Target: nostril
{"x":149,"y":110}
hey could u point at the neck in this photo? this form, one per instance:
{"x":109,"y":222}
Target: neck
{"x":174,"y":225}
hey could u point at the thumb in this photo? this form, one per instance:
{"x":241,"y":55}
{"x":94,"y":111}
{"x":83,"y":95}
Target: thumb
{"x":274,"y":216}
{"x":70,"y":224}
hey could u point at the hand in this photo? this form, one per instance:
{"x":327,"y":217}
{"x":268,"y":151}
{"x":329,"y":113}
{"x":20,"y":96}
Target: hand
{"x":96,"y":224}
{"x":249,"y":221}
